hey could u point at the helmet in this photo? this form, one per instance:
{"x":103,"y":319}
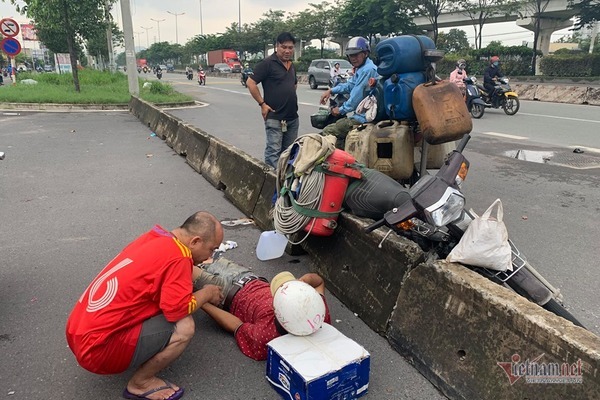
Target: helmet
{"x":356,"y":45}
{"x":298,"y":307}
{"x":320,"y":119}
{"x":494,"y":59}
{"x":462,"y":64}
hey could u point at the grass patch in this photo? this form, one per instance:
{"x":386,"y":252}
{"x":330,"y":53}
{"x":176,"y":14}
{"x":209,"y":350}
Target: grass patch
{"x":97,"y":87}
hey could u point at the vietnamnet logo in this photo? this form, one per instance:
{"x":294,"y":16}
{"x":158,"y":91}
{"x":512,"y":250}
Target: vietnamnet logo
{"x":535,"y":371}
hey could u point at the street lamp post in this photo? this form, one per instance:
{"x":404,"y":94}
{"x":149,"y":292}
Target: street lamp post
{"x":139,"y":43}
{"x":158,"y":21}
{"x":147,"y":37}
{"x":201,"y":30}
{"x":239,"y":16}
{"x":176,"y":33}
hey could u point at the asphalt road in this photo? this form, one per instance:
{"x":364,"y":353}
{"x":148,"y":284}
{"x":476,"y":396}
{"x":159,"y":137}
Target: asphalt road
{"x":75,"y":188}
{"x":552,"y":211}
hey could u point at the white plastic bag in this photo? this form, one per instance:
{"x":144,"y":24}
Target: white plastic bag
{"x":368,"y":106}
{"x":485,"y":242}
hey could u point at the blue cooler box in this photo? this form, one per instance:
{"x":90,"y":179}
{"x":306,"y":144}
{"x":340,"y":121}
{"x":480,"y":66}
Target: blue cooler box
{"x":323,"y":366}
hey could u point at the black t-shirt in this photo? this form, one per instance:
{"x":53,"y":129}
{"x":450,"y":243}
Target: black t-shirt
{"x":279,"y":87}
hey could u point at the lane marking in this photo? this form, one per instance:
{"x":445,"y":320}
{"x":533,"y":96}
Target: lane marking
{"x":566,"y":118}
{"x":592,"y":149}
{"x":505,"y":135}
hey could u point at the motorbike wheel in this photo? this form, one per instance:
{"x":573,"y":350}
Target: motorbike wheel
{"x":243,"y":82}
{"x":312,"y":82}
{"x":554,"y":307}
{"x":511,"y":105}
{"x":477,"y":111}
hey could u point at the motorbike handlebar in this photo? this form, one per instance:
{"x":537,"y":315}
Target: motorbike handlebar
{"x":375,"y":225}
{"x":463,"y":143}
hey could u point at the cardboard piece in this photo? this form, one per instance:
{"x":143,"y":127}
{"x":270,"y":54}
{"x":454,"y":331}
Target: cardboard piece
{"x":324,"y":365}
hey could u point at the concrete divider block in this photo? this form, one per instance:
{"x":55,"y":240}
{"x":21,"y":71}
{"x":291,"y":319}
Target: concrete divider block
{"x":167,"y":127}
{"x":262,"y":210}
{"x":195,"y":147}
{"x":365,"y":278}
{"x":592,"y":96}
{"x":561,"y":94}
{"x":476,"y":340}
{"x":148,"y":114}
{"x":526,"y":91}
{"x":240,"y":176}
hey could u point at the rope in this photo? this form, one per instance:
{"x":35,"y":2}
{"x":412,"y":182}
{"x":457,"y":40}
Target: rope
{"x":286,"y":219}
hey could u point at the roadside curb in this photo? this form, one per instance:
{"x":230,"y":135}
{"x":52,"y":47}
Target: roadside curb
{"x":457,"y":328}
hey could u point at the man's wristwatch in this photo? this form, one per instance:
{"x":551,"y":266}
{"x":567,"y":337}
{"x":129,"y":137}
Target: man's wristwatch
{"x":261,"y":103}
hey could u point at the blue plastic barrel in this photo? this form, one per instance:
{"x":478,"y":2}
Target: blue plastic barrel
{"x":397,"y":94}
{"x":401,"y":54}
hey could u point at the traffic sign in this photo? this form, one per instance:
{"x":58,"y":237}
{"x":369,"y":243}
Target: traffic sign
{"x":10,"y":46}
{"x":9,"y":27}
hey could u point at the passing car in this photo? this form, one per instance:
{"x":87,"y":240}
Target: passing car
{"x":319,"y":71}
{"x":222,"y":68}
{"x":170,"y":68}
{"x":48,"y":68}
{"x":164,"y":68}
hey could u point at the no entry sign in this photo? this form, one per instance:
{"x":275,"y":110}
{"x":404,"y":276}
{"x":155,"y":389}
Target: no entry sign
{"x":9,"y":27}
{"x":10,"y":46}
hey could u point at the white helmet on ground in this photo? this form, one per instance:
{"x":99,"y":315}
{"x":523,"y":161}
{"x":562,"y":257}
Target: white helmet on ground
{"x":299,"y":308}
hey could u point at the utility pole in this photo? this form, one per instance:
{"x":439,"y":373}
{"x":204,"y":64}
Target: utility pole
{"x":176,"y":33}
{"x":201,"y":30}
{"x":134,"y":85}
{"x":147,"y":37}
{"x":593,"y":37}
{"x":158,"y":21}
{"x":111,"y":61}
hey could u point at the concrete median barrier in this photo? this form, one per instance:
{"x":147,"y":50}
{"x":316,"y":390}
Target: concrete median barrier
{"x":470,"y":337}
{"x":561,"y":94}
{"x":525,"y":91}
{"x":477,"y":340}
{"x":592,"y":96}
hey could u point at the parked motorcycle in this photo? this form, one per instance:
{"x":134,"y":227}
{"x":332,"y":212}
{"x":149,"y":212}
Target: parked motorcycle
{"x":432,"y":213}
{"x":244,"y":77}
{"x":502,"y":97}
{"x":475,"y":103}
{"x":201,"y":77}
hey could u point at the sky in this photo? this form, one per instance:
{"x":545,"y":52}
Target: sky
{"x":217,"y":15}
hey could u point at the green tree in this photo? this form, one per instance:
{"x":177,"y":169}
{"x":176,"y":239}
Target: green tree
{"x":313,"y":23}
{"x":431,"y":9}
{"x":67,"y":22}
{"x":534,"y":10}
{"x":97,"y":44}
{"x":370,"y":18}
{"x":269,"y":27}
{"x":480,"y":11}
{"x":455,"y":41}
{"x":589,"y":12}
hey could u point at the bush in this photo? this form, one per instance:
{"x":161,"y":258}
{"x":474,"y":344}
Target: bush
{"x":161,"y":88}
{"x":571,"y":65}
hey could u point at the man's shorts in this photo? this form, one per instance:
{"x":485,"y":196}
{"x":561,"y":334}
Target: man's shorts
{"x":154,"y":337}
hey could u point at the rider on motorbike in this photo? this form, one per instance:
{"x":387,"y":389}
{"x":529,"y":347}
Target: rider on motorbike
{"x":489,"y":78}
{"x":246,"y":72}
{"x":357,"y":51}
{"x":459,"y":74}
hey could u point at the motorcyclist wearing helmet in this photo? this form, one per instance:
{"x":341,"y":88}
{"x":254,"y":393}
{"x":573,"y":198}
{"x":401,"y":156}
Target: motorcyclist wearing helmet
{"x":254,"y":310}
{"x":489,"y":77}
{"x":357,"y":51}
{"x":459,"y":74}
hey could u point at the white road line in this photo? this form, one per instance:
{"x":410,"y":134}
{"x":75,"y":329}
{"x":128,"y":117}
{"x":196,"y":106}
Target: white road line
{"x":592,"y":149}
{"x":567,"y":118}
{"x":505,"y":135}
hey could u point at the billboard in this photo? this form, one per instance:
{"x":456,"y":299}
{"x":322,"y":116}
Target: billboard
{"x":28,"y":32}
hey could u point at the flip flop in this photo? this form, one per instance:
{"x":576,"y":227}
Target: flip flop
{"x":144,"y":396}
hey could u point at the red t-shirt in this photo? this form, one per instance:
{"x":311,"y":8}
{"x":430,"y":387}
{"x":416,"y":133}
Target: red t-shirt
{"x":253,"y":304}
{"x":152,"y":275}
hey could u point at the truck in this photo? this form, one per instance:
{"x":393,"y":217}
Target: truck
{"x":142,"y":64}
{"x":227,"y":56}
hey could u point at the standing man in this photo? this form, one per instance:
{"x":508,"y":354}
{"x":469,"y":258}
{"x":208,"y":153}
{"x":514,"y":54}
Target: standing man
{"x":136,"y":314}
{"x":357,"y":51}
{"x":279,"y":102}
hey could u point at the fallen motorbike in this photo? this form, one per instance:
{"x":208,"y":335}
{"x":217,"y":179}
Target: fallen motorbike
{"x":244,"y":77}
{"x":432,"y":214}
{"x":201,"y":77}
{"x":475,"y":103}
{"x":502,"y":97}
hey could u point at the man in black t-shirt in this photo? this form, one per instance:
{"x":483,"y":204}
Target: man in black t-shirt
{"x":279,"y":102}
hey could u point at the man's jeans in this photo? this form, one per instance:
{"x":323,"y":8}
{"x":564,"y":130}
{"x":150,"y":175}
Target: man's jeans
{"x":278,"y":141}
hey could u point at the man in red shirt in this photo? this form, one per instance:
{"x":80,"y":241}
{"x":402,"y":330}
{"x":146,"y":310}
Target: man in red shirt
{"x":247,"y":310}
{"x":136,"y":314}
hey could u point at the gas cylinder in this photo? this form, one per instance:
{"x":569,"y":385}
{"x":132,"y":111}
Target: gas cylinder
{"x":338,"y":169}
{"x":391,"y":147}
